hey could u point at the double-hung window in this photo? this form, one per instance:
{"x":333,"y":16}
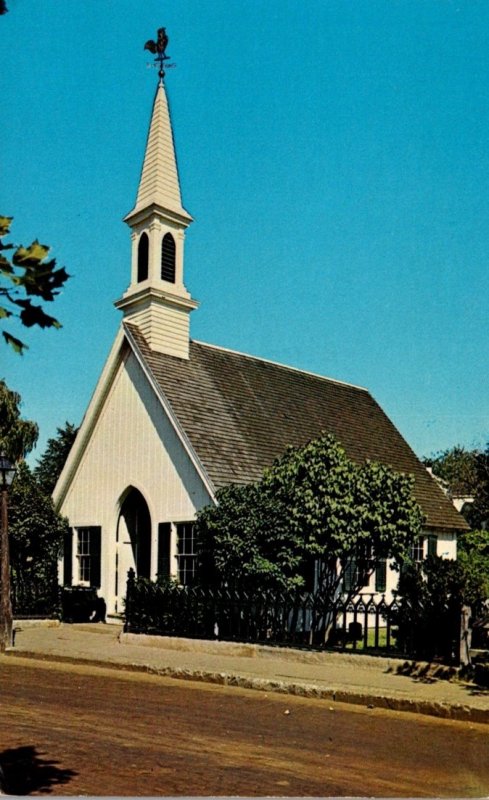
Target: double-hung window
{"x":88,"y":555}
{"x":381,"y":575}
{"x":356,"y":574}
{"x":417,"y":550}
{"x":186,"y":553}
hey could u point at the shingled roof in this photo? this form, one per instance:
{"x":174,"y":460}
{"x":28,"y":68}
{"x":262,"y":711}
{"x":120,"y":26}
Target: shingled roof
{"x":239,"y":413}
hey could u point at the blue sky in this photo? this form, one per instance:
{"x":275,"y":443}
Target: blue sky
{"x":334,"y":155}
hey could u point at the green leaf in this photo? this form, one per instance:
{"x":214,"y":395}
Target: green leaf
{"x":30,"y":256}
{"x":15,"y":343}
{"x":5,"y":225}
{"x":35,"y":315}
{"x":31,"y":274}
{"x":5,"y":266}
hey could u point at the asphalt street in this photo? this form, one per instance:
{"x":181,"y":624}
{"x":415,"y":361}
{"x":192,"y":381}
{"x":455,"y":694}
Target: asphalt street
{"x":70,"y":729}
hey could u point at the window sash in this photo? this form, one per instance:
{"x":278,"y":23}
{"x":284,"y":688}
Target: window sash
{"x":88,"y":546}
{"x":186,"y":553}
{"x":356,"y":574}
{"x":432,"y":545}
{"x":417,"y":550}
{"x":381,"y":576}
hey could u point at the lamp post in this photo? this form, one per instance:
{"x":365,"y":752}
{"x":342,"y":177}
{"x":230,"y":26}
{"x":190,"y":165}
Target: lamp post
{"x":7,"y":473}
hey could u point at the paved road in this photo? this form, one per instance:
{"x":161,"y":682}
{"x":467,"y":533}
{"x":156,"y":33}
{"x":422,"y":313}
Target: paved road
{"x":74,"y":730}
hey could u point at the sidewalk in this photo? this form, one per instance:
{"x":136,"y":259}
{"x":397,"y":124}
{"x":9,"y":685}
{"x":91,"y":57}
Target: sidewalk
{"x":365,"y":680}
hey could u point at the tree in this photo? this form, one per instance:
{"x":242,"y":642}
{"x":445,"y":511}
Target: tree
{"x":36,"y":533}
{"x":29,"y":273}
{"x":466,"y":473}
{"x":51,"y":463}
{"x":457,"y":467}
{"x":17,"y":436}
{"x":246,"y":543}
{"x":479,"y":512}
{"x":473,"y":556}
{"x":35,"y":529}
{"x":313,"y":506}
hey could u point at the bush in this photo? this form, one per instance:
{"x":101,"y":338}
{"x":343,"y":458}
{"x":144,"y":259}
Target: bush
{"x":430,"y":598}
{"x":166,"y":608}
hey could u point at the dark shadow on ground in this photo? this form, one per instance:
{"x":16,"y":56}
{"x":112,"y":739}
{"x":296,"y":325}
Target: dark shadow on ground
{"x":472,"y":678}
{"x":424,"y":672}
{"x":478,"y":691}
{"x":24,"y":770}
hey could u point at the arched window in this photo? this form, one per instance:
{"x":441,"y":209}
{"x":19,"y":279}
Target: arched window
{"x":168,"y":258}
{"x":143,"y":252}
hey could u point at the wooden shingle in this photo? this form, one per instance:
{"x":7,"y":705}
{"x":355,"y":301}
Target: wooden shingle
{"x":240,"y":412}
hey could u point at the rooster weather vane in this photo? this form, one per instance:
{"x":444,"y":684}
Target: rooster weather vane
{"x":159,"y":49}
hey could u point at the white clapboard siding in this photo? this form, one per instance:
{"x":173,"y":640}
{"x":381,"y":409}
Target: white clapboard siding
{"x":166,"y":329}
{"x":133,"y":444}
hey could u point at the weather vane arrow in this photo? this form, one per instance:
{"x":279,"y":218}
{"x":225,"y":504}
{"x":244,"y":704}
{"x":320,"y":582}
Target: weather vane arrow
{"x":159,"y":49}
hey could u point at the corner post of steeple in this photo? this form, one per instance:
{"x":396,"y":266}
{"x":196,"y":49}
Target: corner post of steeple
{"x":134,"y":256}
{"x":180,"y":239}
{"x":156,"y":299}
{"x":155,"y":237}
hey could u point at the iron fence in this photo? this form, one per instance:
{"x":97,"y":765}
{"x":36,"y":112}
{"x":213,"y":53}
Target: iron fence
{"x":365,"y":623}
{"x":35,"y":598}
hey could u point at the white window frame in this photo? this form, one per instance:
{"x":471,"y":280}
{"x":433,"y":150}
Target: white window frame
{"x":186,"y":559}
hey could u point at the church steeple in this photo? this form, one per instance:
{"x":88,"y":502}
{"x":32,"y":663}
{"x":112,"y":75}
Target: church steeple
{"x":156,"y":299}
{"x":159,"y":184}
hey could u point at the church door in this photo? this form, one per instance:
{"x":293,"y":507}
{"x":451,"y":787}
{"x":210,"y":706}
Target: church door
{"x":133,"y":543}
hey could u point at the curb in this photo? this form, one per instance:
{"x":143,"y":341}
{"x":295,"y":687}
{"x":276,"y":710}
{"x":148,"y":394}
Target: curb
{"x":463,"y":713}
{"x":394,"y":664}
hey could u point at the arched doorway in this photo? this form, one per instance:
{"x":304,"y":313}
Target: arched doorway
{"x":133,"y":542}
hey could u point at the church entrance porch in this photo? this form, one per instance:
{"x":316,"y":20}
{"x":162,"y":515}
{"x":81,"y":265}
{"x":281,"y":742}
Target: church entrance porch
{"x":133,"y":543}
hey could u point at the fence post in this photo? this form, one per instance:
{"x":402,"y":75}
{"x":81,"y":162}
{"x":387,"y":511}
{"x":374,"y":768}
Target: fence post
{"x":131,"y":580}
{"x":465,"y":636}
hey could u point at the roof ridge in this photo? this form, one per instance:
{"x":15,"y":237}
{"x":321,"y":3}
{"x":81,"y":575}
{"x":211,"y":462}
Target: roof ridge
{"x":283,"y":366}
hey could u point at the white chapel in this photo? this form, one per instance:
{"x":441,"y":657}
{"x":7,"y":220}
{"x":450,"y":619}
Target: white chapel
{"x":172,"y":420}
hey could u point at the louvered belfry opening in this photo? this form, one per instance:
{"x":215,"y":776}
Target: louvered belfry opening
{"x":143,"y":258}
{"x":168,"y":258}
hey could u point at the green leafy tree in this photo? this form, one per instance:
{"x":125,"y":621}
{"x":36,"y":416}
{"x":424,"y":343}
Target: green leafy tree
{"x":245,"y":542}
{"x":478,"y":514}
{"x":28,"y":273}
{"x":313,"y":506}
{"x":35,"y":529}
{"x":51,"y":463}
{"x":465,"y":473}
{"x":36,"y":533}
{"x":473,"y":556}
{"x":17,"y":436}
{"x":457,"y":468}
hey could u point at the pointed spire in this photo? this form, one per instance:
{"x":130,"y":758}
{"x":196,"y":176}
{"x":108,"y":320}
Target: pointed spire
{"x":159,"y":184}
{"x":156,"y":299}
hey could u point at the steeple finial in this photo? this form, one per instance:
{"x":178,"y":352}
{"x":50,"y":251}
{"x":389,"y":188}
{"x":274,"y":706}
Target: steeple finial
{"x":159,"y":47}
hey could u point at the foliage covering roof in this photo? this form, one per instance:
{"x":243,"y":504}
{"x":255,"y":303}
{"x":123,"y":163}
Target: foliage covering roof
{"x":240,"y":412}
